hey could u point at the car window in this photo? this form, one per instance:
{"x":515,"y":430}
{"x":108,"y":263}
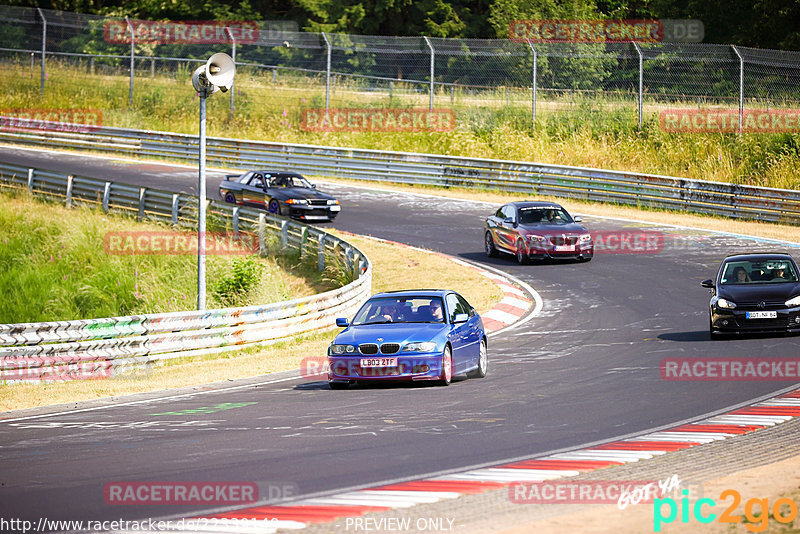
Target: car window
{"x":544,"y":215}
{"x":499,"y":213}
{"x":257,"y":181}
{"x":509,"y":213}
{"x":758,"y":272}
{"x":455,"y":307}
{"x":465,"y":305}
{"x":406,"y":309}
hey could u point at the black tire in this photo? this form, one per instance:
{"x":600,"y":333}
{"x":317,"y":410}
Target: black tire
{"x":489,"y":247}
{"x":338,"y":385}
{"x":522,"y":252}
{"x":230,"y":198}
{"x":446,"y":376}
{"x":274,"y":207}
{"x":483,"y":363}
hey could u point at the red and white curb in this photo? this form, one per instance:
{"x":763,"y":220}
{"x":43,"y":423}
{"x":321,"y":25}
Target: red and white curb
{"x":300,"y":514}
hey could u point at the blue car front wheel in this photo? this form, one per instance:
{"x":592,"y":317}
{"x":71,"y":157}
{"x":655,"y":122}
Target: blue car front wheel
{"x":483,"y":363}
{"x":446,"y":375}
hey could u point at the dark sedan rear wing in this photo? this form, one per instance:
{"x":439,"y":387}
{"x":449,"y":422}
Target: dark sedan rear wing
{"x":229,"y":176}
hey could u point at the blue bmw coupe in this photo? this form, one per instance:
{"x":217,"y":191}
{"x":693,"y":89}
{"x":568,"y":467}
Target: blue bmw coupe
{"x":425,"y":334}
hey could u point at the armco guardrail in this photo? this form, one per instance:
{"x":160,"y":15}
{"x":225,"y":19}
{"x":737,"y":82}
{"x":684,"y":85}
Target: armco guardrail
{"x":699,"y":196}
{"x":34,"y":351}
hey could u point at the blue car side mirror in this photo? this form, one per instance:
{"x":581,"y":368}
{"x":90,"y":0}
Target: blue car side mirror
{"x":461,"y":318}
{"x":342,"y":322}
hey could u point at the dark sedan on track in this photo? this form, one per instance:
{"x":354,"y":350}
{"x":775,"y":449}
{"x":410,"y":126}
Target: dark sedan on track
{"x":281,"y":193}
{"x":417,"y":335}
{"x":754,"y":293}
{"x":537,"y":230}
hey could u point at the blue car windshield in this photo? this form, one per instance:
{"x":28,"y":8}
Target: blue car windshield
{"x":400,"y":310}
{"x":546,"y":215}
{"x":758,"y":272}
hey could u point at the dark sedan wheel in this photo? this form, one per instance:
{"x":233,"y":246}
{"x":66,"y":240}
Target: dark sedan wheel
{"x":446,"y":375}
{"x":491,"y":250}
{"x":230,"y":198}
{"x":274,"y":207}
{"x":483,"y":363}
{"x":522,"y":253}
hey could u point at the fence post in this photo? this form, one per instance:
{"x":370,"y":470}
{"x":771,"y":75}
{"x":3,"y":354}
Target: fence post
{"x":236,"y":222}
{"x":433,"y":56}
{"x":262,"y":245}
{"x":327,"y":74}
{"x":106,"y":195}
{"x":741,"y":87}
{"x":130,"y":91}
{"x":641,"y":81}
{"x":233,"y":57}
{"x":69,"y":191}
{"x":152,"y":68}
{"x":533,"y":84}
{"x":175,"y":206}
{"x":30,"y":181}
{"x":142,"y":193}
{"x":284,"y":235}
{"x":44,"y":48}
{"x":321,"y":253}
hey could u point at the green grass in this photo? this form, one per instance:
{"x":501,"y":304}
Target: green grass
{"x":569,"y":130}
{"x":54,"y":265}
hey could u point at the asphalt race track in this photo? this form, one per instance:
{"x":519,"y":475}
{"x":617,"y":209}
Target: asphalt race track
{"x":585,"y":369}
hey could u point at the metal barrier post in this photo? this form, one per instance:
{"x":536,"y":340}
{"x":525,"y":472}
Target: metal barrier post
{"x":327,"y":74}
{"x":284,"y":234}
{"x":30,"y":180}
{"x":433,"y":57}
{"x":321,"y":253}
{"x":142,"y":193}
{"x":69,"y":191}
{"x":741,"y":87}
{"x":175,"y":206}
{"x":236,"y":222}
{"x":201,"y":209}
{"x":44,"y":48}
{"x":106,"y":193}
{"x":262,"y":239}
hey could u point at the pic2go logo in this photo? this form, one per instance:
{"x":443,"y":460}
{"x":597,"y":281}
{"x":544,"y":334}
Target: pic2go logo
{"x":783,"y":510}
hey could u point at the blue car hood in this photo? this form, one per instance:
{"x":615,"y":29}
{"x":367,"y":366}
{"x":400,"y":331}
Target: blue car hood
{"x":391,"y":333}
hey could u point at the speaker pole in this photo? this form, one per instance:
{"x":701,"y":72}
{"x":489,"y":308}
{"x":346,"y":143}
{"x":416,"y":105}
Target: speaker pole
{"x":201,"y":217}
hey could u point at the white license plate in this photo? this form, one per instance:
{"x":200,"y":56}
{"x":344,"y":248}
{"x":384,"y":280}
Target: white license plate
{"x":336,"y":208}
{"x":762,"y":315}
{"x":564,"y":248}
{"x":378,"y":362}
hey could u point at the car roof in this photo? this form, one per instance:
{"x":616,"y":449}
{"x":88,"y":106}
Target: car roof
{"x":758,"y":256}
{"x":414,"y":293}
{"x":535,"y":204}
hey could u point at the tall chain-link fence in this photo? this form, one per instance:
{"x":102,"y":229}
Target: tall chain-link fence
{"x":620,"y":80}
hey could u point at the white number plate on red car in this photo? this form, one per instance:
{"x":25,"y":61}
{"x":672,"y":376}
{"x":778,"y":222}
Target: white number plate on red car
{"x":564,"y":248}
{"x":378,"y":362}
{"x":762,"y":315}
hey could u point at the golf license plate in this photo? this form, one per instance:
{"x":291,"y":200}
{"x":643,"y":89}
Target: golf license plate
{"x":762,"y":315}
{"x":378,"y":362}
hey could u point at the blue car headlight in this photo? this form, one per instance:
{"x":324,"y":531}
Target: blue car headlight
{"x":342,"y":349}
{"x":423,"y":346}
